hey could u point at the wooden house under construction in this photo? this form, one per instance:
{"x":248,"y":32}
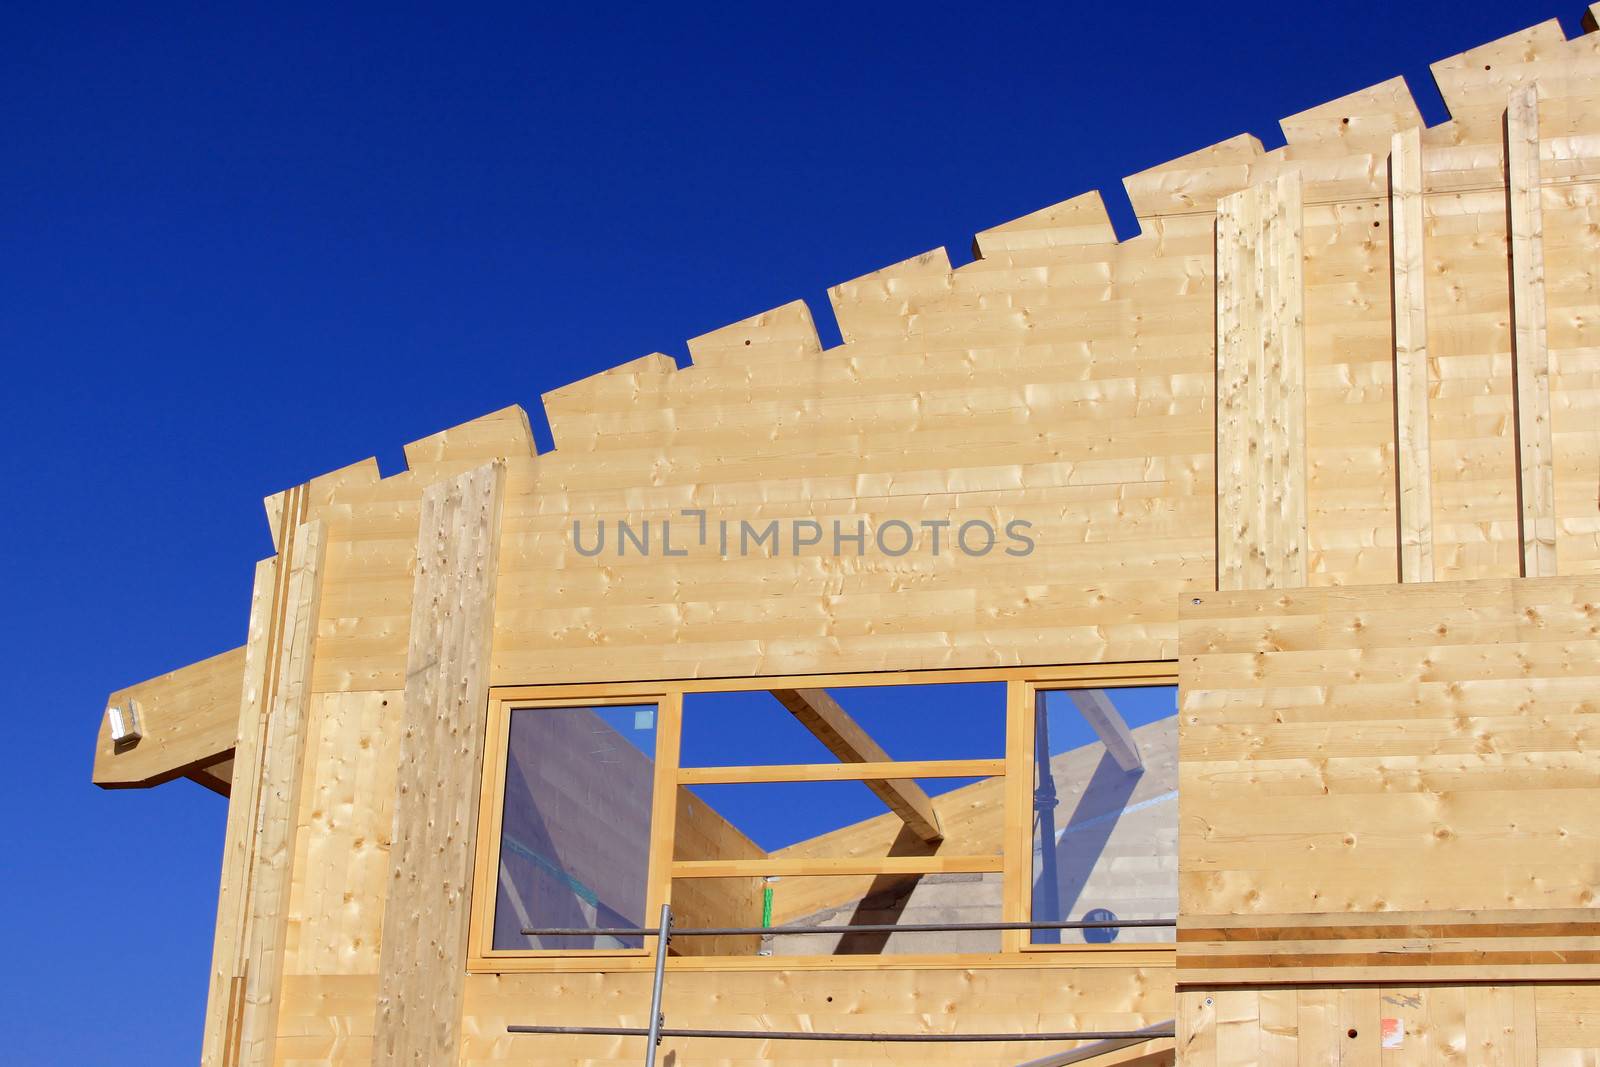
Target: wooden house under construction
{"x":1258,"y":555}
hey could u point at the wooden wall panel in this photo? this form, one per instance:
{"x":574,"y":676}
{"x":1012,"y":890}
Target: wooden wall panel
{"x":345,"y":833}
{"x":976,"y":999}
{"x":325,"y":1024}
{"x":1349,"y":756}
{"x":424,"y":941}
{"x":1483,"y":1025}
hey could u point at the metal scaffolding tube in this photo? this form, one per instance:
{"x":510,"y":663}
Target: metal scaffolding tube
{"x":1132,"y":1036}
{"x":864,"y":928}
{"x":1100,"y":1048}
{"x":655,"y":990}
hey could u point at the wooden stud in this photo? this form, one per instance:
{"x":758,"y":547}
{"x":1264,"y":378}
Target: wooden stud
{"x":1413,"y":454}
{"x":426,"y":915}
{"x":1535,"y":448}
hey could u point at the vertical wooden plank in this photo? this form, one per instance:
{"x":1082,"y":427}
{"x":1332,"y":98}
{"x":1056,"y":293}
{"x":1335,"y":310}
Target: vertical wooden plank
{"x":1358,"y":1015}
{"x":1406,"y":1005}
{"x":1280,"y":1025}
{"x":1490,"y":1038}
{"x":1284,"y":350}
{"x":239,"y":840}
{"x":1447,"y":1025}
{"x":422,"y":968}
{"x":1238,"y":1014}
{"x":1197,"y":1029}
{"x":1261,"y":474}
{"x":1535,"y":448}
{"x":1319,"y":1037}
{"x":1525,"y":1022}
{"x":1413,"y":452}
{"x":1016,"y":845}
{"x":663,"y":807}
{"x":281,"y":764}
{"x":1235,"y":217}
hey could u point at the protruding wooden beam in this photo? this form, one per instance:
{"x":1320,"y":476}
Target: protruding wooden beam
{"x":1536,"y":484}
{"x":423,"y":961}
{"x":1261,"y":403}
{"x":188,"y":719}
{"x":844,"y":737}
{"x":1108,"y":723}
{"x":1413,"y":455}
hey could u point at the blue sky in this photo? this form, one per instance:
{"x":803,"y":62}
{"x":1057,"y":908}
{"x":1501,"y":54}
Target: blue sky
{"x":242,"y":248}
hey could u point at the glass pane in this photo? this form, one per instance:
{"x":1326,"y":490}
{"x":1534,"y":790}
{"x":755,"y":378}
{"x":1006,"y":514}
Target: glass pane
{"x":884,"y":900}
{"x":575,"y":832}
{"x":1105,"y":840}
{"x":963,"y":720}
{"x":952,"y":720}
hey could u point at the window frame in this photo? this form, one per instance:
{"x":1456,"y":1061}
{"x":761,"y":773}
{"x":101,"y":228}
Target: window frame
{"x":482,"y":955}
{"x":1030,"y":692}
{"x":1015,"y":861}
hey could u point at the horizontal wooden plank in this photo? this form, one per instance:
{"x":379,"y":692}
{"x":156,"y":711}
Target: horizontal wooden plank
{"x":829,"y":867}
{"x":842,"y":772}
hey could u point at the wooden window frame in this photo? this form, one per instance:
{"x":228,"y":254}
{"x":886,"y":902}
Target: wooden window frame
{"x":1019,"y":882}
{"x":1014,"y":861}
{"x":482,"y":955}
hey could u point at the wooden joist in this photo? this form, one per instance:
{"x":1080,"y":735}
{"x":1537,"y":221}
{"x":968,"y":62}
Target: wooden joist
{"x":1108,"y":723}
{"x":1413,"y":453}
{"x":1535,"y":447}
{"x":1261,"y":399}
{"x":844,"y":737}
{"x":422,"y":970}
